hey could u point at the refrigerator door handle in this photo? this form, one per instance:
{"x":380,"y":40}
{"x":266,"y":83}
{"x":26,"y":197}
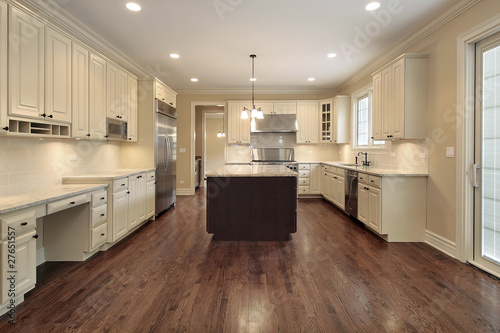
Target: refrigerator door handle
{"x":166,"y":154}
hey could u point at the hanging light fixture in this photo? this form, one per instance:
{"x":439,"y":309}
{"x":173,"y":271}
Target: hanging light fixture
{"x":254,"y":113}
{"x":223,"y":133}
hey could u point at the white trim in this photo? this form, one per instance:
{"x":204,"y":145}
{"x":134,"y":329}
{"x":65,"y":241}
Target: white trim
{"x":185,"y":191}
{"x":465,"y":133}
{"x":433,"y":24}
{"x":231,"y":91}
{"x":40,"y":256}
{"x":210,"y":114}
{"x":439,"y":242}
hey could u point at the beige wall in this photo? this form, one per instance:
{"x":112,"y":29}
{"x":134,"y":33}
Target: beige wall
{"x":214,"y":145}
{"x":441,"y":115}
{"x":185,"y":135}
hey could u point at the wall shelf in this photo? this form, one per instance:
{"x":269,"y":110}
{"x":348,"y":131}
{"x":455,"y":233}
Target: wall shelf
{"x":29,"y":127}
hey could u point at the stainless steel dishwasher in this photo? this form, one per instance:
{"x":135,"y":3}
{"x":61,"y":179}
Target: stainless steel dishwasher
{"x":351,"y":193}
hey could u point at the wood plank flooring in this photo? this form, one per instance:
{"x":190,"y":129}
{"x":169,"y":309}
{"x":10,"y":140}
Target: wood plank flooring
{"x":334,"y":276}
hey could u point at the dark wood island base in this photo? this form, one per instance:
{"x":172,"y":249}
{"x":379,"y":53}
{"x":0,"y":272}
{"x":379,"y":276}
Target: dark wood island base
{"x":252,"y":208}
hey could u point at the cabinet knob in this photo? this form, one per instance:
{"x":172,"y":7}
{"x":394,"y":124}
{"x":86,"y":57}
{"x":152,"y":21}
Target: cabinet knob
{"x":88,"y":135}
{"x":103,"y":234}
{"x":103,"y":214}
{"x":43,"y":115}
{"x":130,"y":139}
{"x":128,"y":192}
{"x":106,"y":136}
{"x":72,"y":203}
{"x":171,"y":103}
{"x":50,"y":116}
{"x":119,"y":117}
{"x":24,"y":224}
{"x":6,"y":128}
{"x":372,"y":137}
{"x":372,"y":181}
{"x":123,"y":185}
{"x":35,"y":236}
{"x":102,"y":198}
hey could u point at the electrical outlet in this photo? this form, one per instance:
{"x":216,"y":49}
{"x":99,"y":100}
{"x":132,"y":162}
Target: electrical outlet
{"x":72,"y":157}
{"x":182,"y":150}
{"x":181,"y":182}
{"x":423,"y":155}
{"x":450,"y":152}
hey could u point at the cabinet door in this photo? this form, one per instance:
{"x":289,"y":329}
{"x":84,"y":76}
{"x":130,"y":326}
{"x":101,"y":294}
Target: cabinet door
{"x":302,"y":113}
{"x":120,"y":215}
{"x":132,"y":109}
{"x":387,"y":103}
{"x":377,"y":108}
{"x":326,"y":119}
{"x":315,"y":179}
{"x":244,"y":129}
{"x":141,"y":198}
{"x":324,"y":182}
{"x":285,"y":108}
{"x":332,"y":193}
{"x":363,"y":203}
{"x":80,"y":99}
{"x":375,"y":209}
{"x":26,"y":70}
{"x":97,"y":97}
{"x":340,"y":192}
{"x":25,"y":265}
{"x":112,"y":99}
{"x":57,"y":76}
{"x":150,"y":199}
{"x":122,"y":94}
{"x":133,"y":202}
{"x":313,"y":122}
{"x":398,"y":76}
{"x":233,"y":126}
{"x":3,"y":67}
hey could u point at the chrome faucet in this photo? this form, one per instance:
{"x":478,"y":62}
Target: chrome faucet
{"x":365,"y":162}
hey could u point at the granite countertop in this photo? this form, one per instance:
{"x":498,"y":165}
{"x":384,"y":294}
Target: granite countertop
{"x":43,"y":196}
{"x":252,"y":171}
{"x":109,"y":175}
{"x":376,"y":171}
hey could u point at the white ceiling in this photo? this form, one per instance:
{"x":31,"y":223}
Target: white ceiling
{"x":291,"y":38}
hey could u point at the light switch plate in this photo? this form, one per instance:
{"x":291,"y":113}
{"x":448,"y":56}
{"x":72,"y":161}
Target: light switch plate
{"x":182,"y":150}
{"x":450,"y":151}
{"x":72,"y":157}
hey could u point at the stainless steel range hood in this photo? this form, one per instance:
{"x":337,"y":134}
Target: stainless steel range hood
{"x":279,"y":123}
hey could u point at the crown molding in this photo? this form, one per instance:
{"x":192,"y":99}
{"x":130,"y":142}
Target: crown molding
{"x":247,"y":91}
{"x":434,"y":23}
{"x":50,"y":12}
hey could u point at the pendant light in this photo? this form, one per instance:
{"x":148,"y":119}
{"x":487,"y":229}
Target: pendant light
{"x":223,"y":133}
{"x":254,"y":113}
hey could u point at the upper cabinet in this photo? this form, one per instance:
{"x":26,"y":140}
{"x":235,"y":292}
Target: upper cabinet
{"x":97,"y":97}
{"x":238,"y":130}
{"x":116,"y":88}
{"x":3,"y":68}
{"x":26,"y":69}
{"x":400,"y":99}
{"x":284,"y":108}
{"x":334,"y":120}
{"x":308,"y":121}
{"x":132,"y":108}
{"x":165,"y":94}
{"x":80,"y":82}
{"x":57,"y":76}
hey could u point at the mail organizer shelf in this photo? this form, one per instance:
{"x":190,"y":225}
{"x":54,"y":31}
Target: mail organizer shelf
{"x":29,"y":127}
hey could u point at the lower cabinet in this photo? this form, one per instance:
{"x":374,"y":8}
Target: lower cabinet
{"x":333,"y":185}
{"x":119,"y":225}
{"x":150,"y":194}
{"x":310,"y":178}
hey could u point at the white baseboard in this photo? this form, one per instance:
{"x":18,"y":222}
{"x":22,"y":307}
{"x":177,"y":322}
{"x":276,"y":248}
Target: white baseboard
{"x":40,"y":256}
{"x":442,"y":244}
{"x":184,"y":191}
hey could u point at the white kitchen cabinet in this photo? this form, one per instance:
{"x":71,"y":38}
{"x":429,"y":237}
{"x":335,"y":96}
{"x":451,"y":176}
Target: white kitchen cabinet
{"x":310,"y":179}
{"x":4,"y":124}
{"x":80,"y":98}
{"x":132,"y":109}
{"x":333,"y":185}
{"x":374,"y":209}
{"x":98,"y":220}
{"x":338,"y":190}
{"x":284,"y":108}
{"x":363,"y":203}
{"x":120,"y":215}
{"x":150,"y":194}
{"x":400,"y":99}
{"x":308,"y":121}
{"x":26,"y":65}
{"x":238,"y":129}
{"x":315,"y":178}
{"x":97,"y":97}
{"x":116,"y":88}
{"x":57,"y":76}
{"x":137,"y":200}
{"x":165,"y":94}
{"x":334,"y":120}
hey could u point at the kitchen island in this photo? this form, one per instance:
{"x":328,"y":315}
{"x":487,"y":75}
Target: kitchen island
{"x":252,"y":202}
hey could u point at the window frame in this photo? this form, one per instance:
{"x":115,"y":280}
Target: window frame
{"x":365,"y":91}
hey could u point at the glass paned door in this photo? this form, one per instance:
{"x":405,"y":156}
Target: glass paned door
{"x":486,"y":169}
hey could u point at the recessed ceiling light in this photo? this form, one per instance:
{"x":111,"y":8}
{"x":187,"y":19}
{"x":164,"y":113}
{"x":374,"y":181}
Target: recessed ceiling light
{"x":194,"y":79}
{"x":311,"y":79}
{"x":253,"y":79}
{"x":331,"y":55}
{"x":133,"y":6}
{"x":174,"y":55}
{"x":372,"y":6}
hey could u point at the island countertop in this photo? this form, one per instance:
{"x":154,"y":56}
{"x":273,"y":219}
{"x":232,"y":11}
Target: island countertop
{"x":252,"y":171}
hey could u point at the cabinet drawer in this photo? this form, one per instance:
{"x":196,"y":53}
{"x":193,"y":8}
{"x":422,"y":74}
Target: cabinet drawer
{"x":304,"y":167}
{"x":120,"y":185}
{"x":340,"y":172}
{"x":285,"y":108}
{"x":99,"y":215}
{"x":304,"y":173}
{"x":21,"y":222}
{"x":303,"y":181}
{"x":304,"y":190}
{"x":63,"y":204}
{"x":98,"y":236}
{"x":374,"y":181}
{"x":363,"y":178}
{"x":99,"y":198}
{"x":151,"y":176}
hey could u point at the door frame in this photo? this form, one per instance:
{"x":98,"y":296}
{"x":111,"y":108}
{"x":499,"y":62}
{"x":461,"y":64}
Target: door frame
{"x":205,"y":115}
{"x":464,"y":249}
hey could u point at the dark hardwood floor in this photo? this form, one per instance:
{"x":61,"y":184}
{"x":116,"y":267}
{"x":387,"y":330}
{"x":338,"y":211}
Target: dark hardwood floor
{"x":333,"y":276}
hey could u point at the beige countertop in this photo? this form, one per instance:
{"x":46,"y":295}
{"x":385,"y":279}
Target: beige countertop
{"x":43,"y":196}
{"x":371,"y":170}
{"x":252,"y":171}
{"x":108,"y":175}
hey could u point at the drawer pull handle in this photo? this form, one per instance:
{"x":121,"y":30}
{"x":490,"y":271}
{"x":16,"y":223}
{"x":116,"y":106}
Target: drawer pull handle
{"x":103,"y":214}
{"x":128,"y":192}
{"x":103,"y":234}
{"x":102,"y":198}
{"x":24,"y":223}
{"x":35,"y":236}
{"x":72,"y":203}
{"x":123,"y":185}
{"x":372,"y":181}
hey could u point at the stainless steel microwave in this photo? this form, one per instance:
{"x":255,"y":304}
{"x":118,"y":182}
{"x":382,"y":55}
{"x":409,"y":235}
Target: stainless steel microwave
{"x":116,"y":129}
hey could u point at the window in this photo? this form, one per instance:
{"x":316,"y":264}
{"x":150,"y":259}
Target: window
{"x":362,"y":106}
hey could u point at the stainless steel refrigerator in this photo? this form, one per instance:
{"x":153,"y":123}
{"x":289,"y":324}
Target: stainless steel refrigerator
{"x":166,"y":155}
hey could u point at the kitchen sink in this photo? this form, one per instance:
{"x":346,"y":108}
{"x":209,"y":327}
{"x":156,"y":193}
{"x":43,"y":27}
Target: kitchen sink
{"x":349,"y":165}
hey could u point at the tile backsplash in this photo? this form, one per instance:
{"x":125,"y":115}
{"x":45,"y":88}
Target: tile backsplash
{"x":30,"y":163}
